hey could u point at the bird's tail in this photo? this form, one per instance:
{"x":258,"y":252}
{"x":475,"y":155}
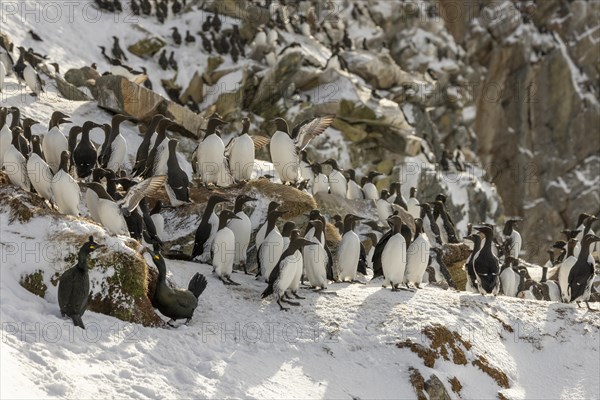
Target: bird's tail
{"x":197,"y":284}
{"x":77,"y":321}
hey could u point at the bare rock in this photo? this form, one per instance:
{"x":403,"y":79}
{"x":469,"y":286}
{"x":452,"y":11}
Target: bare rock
{"x":381,"y":70}
{"x":500,"y":19}
{"x":277,"y":80}
{"x":80,"y":76}
{"x":122,"y":96}
{"x":69,"y":91}
{"x":147,"y":47}
{"x":436,"y":389}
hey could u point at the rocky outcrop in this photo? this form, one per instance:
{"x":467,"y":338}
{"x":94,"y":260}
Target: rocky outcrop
{"x":379,"y":70}
{"x":181,"y":222}
{"x":119,"y":95}
{"x":147,"y":47}
{"x":436,"y":389}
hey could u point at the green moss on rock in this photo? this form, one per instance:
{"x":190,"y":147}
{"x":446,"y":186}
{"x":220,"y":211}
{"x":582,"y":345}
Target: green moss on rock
{"x":122,"y":291}
{"x":123,"y":294}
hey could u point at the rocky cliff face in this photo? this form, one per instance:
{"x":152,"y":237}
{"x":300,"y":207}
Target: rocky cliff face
{"x":517,"y":83}
{"x":537,"y":112}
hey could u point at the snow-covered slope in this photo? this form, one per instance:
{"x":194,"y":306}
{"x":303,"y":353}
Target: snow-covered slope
{"x":333,"y":346}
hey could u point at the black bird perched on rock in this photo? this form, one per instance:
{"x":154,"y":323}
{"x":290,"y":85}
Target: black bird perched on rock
{"x":74,"y":285}
{"x":154,"y":155}
{"x":486,"y":265}
{"x":107,"y":131}
{"x":27,"y":124}
{"x":576,"y":274}
{"x":216,"y":23}
{"x":471,"y":277}
{"x":430,"y":226}
{"x":135,"y":7}
{"x":217,"y":44}
{"x":177,"y":180}
{"x":207,"y":24}
{"x":135,"y":219}
{"x":20,"y":65}
{"x":207,"y":228}
{"x":176,"y":7}
{"x":347,"y":41}
{"x":445,"y":161}
{"x":225,"y":43}
{"x":163,"y":61}
{"x":35,"y":36}
{"x":206,"y":45}
{"x":142,"y":151}
{"x":237,"y":39}
{"x":316,"y":215}
{"x":189,"y":39}
{"x":147,"y":82}
{"x":176,"y":303}
{"x":20,"y":142}
{"x":447,"y":228}
{"x":116,"y":50}
{"x":106,"y":57}
{"x":172,"y":62}
{"x":146,"y":7}
{"x":84,"y":154}
{"x":160,"y":15}
{"x":176,"y":36}
{"x":150,"y":232}
{"x":164,"y":7}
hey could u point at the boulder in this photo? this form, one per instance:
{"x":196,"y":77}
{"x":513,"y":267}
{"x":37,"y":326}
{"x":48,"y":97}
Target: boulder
{"x":5,"y":41}
{"x":119,"y":95}
{"x":380,"y":71}
{"x":147,"y":47}
{"x":436,"y":389}
{"x":194,"y":90}
{"x":413,"y":145}
{"x":351,"y":132}
{"x":69,"y":91}
{"x":80,"y":76}
{"x":500,"y":19}
{"x":182,"y":222}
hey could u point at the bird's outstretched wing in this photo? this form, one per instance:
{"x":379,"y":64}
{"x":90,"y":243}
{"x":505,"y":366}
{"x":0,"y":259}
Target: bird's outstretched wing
{"x":260,"y":141}
{"x":143,"y":189}
{"x":306,"y":131}
{"x":297,"y":128}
